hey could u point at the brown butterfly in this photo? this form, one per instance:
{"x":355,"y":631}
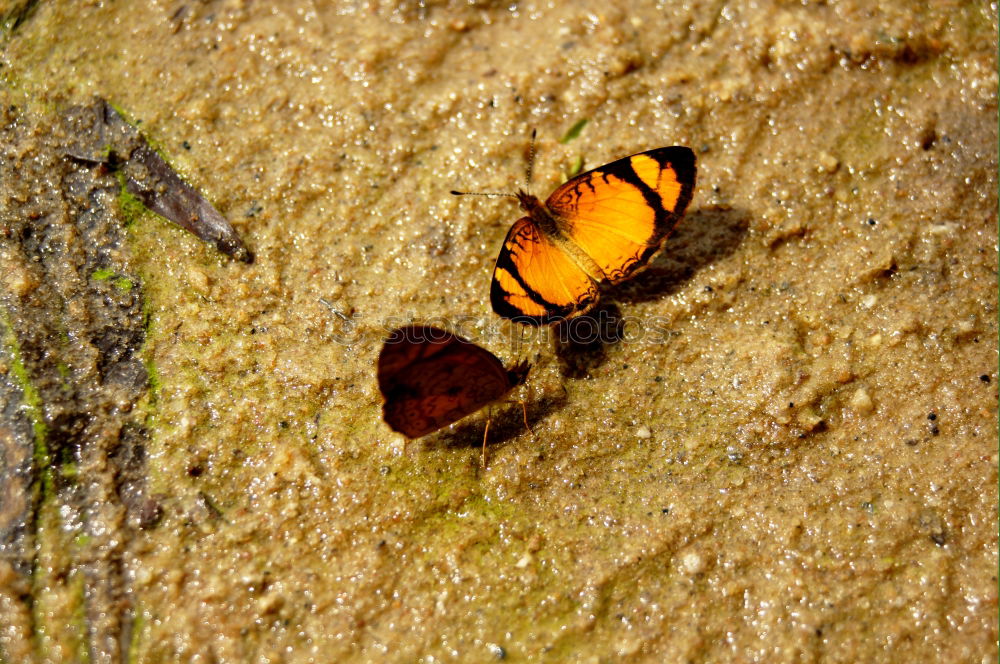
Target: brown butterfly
{"x":431,"y":378}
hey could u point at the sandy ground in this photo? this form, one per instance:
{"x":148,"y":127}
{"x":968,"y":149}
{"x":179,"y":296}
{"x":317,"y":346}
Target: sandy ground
{"x":784,"y":449}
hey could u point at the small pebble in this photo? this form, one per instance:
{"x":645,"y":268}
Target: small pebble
{"x":644,"y":432}
{"x":692,"y":563}
{"x":808,"y":419}
{"x":198,"y":280}
{"x":20,"y":281}
{"x":828,"y":162}
{"x":861,"y":402}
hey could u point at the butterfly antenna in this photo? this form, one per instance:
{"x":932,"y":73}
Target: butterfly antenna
{"x":531,"y":161}
{"x":455,"y":192}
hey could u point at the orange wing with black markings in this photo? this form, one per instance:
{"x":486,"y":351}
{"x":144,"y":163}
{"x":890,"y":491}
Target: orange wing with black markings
{"x":535,"y":279}
{"x":431,"y":378}
{"x":604,"y":225}
{"x":621,"y":213}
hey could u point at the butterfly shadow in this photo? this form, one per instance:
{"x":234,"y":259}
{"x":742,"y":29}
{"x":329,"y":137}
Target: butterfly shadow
{"x":506,"y":422}
{"x":703,"y":237}
{"x":581,"y":343}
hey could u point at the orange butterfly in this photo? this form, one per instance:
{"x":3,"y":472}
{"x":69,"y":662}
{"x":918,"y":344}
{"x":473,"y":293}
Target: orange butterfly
{"x":430,"y":378}
{"x":602,"y":226}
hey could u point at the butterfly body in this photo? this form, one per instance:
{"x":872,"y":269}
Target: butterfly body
{"x":431,"y":378}
{"x":602,"y":226}
{"x":558,"y":230}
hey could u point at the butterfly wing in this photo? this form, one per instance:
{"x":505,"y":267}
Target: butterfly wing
{"x":535,"y":281}
{"x":619,"y":214}
{"x":431,"y":378}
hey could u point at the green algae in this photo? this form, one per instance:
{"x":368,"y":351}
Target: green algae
{"x":78,"y":628}
{"x":574,"y":132}
{"x":574,"y":168}
{"x":131,"y":207}
{"x":139,"y":627}
{"x":32,"y":402}
{"x":122,"y":283}
{"x":52,"y":542}
{"x":16,"y":16}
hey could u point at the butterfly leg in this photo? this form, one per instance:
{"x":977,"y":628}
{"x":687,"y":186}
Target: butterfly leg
{"x":524,"y":409}
{"x":489,"y":418}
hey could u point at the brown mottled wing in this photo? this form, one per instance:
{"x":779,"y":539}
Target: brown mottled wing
{"x":619,"y":214}
{"x":431,"y":378}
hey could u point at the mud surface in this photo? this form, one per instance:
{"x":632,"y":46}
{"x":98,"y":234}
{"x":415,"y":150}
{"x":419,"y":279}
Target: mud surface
{"x":781,"y":446}
{"x":72,"y":374}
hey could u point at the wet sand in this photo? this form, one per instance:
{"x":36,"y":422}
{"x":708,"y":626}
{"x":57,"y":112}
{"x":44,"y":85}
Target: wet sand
{"x":784,"y":448}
